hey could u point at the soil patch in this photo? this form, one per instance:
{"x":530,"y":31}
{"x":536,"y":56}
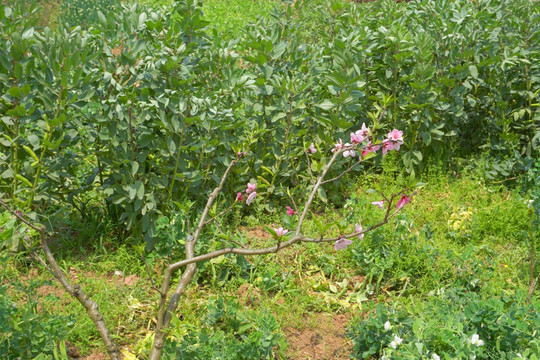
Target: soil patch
{"x":325,"y":339}
{"x":97,"y":356}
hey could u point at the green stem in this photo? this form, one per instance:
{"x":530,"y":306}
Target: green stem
{"x":532,"y":260}
{"x":169,"y":197}
{"x":38,"y":171}
{"x":287,"y":133}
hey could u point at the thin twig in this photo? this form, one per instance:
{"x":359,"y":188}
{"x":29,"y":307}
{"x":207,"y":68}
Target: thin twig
{"x":343,"y":173}
{"x":220,"y":214}
{"x":230,"y":240}
{"x":383,"y":195}
{"x":309,"y":166}
{"x":292,"y":200}
{"x":20,"y":217}
{"x":149,"y":274}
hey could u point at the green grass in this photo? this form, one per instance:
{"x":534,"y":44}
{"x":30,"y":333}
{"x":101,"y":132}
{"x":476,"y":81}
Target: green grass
{"x":417,"y":253}
{"x":229,"y":17}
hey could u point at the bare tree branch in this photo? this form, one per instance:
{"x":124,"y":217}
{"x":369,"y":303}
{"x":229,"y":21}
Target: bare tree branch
{"x":75,"y":290}
{"x":343,"y":173}
{"x":314,"y":191}
{"x":220,"y":214}
{"x":165,"y":314}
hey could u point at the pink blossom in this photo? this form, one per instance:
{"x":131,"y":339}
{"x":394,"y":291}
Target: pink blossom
{"x":342,"y":243}
{"x":338,"y":146}
{"x":290,"y":211}
{"x":380,"y":204}
{"x":250,"y":187}
{"x":281,"y":231}
{"x":393,"y":141}
{"x":364,"y":131}
{"x":386,"y":145}
{"x":402,"y":202}
{"x":396,"y":136}
{"x":251,"y":197}
{"x":357,"y":137}
{"x":369,"y":149}
{"x":349,"y":152}
{"x":358,"y":228}
{"x":312,"y":149}
{"x":239,"y":196}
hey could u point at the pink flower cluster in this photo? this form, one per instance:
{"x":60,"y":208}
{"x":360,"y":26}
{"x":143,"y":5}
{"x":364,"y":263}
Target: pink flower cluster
{"x":404,"y":200}
{"x":250,"y":192}
{"x":343,"y":243}
{"x":281,"y":231}
{"x":393,"y":142}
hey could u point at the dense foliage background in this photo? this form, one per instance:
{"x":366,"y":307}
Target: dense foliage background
{"x":144,"y":107}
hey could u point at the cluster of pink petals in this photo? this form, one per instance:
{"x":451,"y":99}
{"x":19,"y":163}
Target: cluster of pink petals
{"x":338,"y":146}
{"x":251,"y":197}
{"x":290,"y":211}
{"x":361,"y":135}
{"x":349,"y":152}
{"x":402,"y":202}
{"x":357,"y":138}
{"x":250,"y":188}
{"x":342,"y":243}
{"x":393,"y":141}
{"x":312,"y":149}
{"x":370,"y":148}
{"x":281,"y":231}
{"x":358,"y":228}
{"x":250,"y":191}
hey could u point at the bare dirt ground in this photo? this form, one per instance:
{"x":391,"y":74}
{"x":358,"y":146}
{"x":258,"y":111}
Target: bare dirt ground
{"x":323,"y":339}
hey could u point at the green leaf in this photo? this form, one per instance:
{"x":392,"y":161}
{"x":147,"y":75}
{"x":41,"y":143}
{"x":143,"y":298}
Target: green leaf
{"x":15,"y":92}
{"x":326,"y":105}
{"x":140,"y":189}
{"x":8,"y":174}
{"x":473,"y":70}
{"x":417,"y":330}
{"x":271,"y":232}
{"x":322,"y":194}
{"x":134,"y":168}
{"x":171,"y":145}
{"x":34,"y":140}
{"x":426,"y":137}
{"x":28,"y":33}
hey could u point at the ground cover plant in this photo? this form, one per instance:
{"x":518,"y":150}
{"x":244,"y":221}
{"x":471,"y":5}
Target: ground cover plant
{"x":147,"y":125}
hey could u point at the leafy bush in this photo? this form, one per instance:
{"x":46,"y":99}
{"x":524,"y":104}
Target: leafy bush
{"x":142,"y":107}
{"x":27,"y":332}
{"x":83,"y":12}
{"x":443,"y":326}
{"x":228,"y":332}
